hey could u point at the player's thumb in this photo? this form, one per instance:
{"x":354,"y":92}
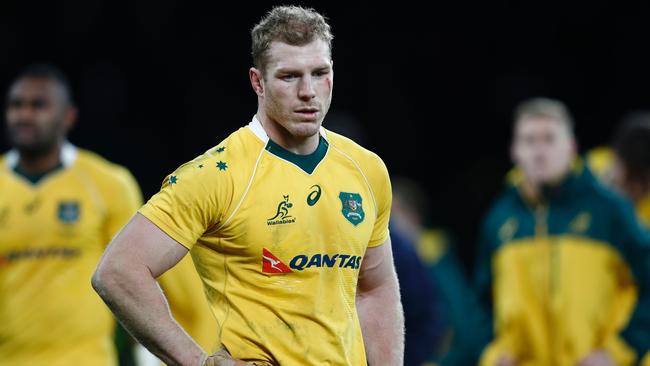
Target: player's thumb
{"x":220,"y":361}
{"x":223,"y":358}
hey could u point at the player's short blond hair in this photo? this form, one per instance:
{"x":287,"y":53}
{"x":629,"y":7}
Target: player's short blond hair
{"x":293,"y":25}
{"x":544,"y":107}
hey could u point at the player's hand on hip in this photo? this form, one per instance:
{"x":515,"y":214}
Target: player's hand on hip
{"x":223,"y":358}
{"x":506,"y":360}
{"x":597,"y":357}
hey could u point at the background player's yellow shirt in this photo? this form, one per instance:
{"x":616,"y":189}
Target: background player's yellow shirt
{"x":277,"y":247}
{"x":52,"y":235}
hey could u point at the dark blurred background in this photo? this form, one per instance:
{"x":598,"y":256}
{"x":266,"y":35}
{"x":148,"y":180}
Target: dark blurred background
{"x":432,"y":87}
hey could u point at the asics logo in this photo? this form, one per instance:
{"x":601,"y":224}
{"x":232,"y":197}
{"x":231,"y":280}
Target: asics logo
{"x":314,"y":195}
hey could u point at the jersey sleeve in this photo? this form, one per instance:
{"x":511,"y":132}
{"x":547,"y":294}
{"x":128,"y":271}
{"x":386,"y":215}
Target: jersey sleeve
{"x":190,"y":201}
{"x":123,"y":200}
{"x":381,"y":188}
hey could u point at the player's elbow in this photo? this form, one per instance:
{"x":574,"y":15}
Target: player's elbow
{"x":104,"y":280}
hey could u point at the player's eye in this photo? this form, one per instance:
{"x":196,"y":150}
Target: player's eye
{"x":289,"y":77}
{"x":14,"y":103}
{"x":38,"y":103}
{"x":320,"y":73}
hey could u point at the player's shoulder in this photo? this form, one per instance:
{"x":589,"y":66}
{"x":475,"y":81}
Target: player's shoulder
{"x":604,"y":199}
{"x":508,"y":204}
{"x":5,"y":165}
{"x":600,"y":159}
{"x":231,"y":158}
{"x":364,"y":159}
{"x":96,"y":166}
{"x":3,"y":159}
{"x":241,"y":146}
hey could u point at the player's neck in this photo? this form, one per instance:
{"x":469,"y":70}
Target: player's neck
{"x":296,"y":144}
{"x":531,"y":191}
{"x":39,"y":162}
{"x":536,"y":191}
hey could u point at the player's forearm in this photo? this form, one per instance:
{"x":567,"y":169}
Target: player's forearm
{"x":382,"y":323}
{"x":138,"y":303}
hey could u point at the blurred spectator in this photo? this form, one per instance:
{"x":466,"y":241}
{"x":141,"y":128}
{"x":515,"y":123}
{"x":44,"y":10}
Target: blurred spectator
{"x":454,"y":326}
{"x":558,"y":255}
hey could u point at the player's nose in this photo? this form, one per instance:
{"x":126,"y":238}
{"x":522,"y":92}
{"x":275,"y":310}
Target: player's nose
{"x":306,"y":89}
{"x":20,"y":114}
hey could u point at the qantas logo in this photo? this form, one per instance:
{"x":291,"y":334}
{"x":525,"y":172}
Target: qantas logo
{"x":13,"y":256}
{"x":271,"y":264}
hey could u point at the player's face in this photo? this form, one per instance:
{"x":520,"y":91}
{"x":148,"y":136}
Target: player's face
{"x":37,"y":114}
{"x":298,"y":83}
{"x":543,"y":148}
{"x":619,"y":179}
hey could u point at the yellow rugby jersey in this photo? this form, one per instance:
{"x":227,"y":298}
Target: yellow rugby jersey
{"x":278,"y":240}
{"x":52,"y":235}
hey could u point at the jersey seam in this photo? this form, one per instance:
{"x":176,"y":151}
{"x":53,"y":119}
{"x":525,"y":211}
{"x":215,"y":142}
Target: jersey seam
{"x":94,"y":192}
{"x":160,"y":223}
{"x":372,"y":193}
{"x":250,"y":183}
{"x":225,"y":296}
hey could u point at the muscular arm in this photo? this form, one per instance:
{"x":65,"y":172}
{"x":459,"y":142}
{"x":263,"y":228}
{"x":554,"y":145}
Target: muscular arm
{"x":126,"y":280}
{"x":380,"y":309}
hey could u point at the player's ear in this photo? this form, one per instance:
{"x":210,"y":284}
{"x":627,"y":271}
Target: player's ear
{"x":574,"y":146}
{"x":257,"y":81}
{"x":70,"y":117}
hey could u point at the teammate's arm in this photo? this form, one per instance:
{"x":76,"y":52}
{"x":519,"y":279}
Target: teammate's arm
{"x":379,"y":307}
{"x":126,"y":280}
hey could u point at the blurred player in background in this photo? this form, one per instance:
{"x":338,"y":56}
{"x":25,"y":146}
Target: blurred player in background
{"x":626,"y":165}
{"x":287,"y":224}
{"x":422,"y":303}
{"x":59,"y":208}
{"x":458,"y":328}
{"x":559,"y":254}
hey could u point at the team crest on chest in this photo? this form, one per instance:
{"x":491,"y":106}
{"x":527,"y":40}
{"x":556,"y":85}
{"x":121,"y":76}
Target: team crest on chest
{"x":68,"y":212}
{"x":352,"y":208}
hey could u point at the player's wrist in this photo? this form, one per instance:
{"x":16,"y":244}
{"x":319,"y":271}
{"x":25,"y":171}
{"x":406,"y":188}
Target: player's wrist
{"x":203,"y":358}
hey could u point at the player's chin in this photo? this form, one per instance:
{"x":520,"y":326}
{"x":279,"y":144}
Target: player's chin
{"x":28,"y":144}
{"x":305,"y":128}
{"x":23,"y":138}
